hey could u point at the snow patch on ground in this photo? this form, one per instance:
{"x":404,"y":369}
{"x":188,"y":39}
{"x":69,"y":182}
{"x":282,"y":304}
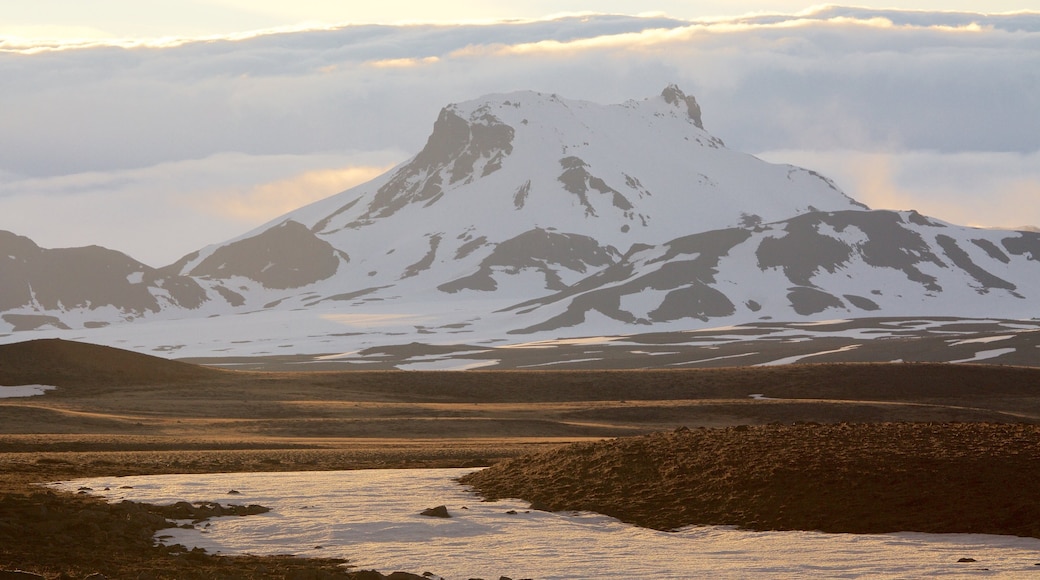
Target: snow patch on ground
{"x":447,"y":364}
{"x":24,"y":391}
{"x":581,"y":341}
{"x":821,"y":323}
{"x":560,"y":362}
{"x":715,"y":358}
{"x":794,"y":359}
{"x":982,"y":340}
{"x":986,"y":354}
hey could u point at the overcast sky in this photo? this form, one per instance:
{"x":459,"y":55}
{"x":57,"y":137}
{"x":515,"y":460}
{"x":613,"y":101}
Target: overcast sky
{"x":157,"y":127}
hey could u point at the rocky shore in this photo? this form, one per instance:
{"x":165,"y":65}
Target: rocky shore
{"x":51,"y":535}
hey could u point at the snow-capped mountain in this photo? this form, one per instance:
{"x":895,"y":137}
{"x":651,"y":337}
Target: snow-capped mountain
{"x":527,"y":213}
{"x":85,"y":287}
{"x":845,"y":263}
{"x":525,"y":192}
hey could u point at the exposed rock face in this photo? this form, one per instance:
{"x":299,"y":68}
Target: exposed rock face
{"x":56,"y":280}
{"x":540,"y":250}
{"x":891,"y":255}
{"x":285,"y":256}
{"x":674,"y":96}
{"x":683,"y":274}
{"x":577,"y":180}
{"x":21,"y":322}
{"x":887,"y":243}
{"x":458,"y":149}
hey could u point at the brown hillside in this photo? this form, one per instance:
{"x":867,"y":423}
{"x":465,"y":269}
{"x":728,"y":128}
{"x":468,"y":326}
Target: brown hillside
{"x":66,"y":363}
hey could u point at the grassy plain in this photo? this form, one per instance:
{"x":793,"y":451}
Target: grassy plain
{"x":120,"y":413}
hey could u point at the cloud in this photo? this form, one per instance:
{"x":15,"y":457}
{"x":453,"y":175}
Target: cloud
{"x":267,"y":201}
{"x":403,"y":62}
{"x":985,"y":189}
{"x":113,"y":143}
{"x":127,"y":19}
{"x":28,"y":36}
{"x":158,"y":214}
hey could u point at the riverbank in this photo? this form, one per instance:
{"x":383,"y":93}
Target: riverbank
{"x":850,"y":478}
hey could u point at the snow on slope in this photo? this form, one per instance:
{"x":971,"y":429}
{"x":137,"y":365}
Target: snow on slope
{"x":529,"y":214}
{"x":526,"y":181}
{"x":856,"y":263}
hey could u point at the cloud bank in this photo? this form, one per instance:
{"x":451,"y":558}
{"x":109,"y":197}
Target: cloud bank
{"x":194,"y":142}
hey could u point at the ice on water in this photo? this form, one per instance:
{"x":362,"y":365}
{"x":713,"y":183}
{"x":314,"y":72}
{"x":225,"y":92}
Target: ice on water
{"x":371,"y":517}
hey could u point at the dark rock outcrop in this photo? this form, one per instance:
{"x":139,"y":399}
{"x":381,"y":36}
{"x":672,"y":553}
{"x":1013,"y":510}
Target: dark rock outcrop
{"x":436,"y":512}
{"x":286,"y":256}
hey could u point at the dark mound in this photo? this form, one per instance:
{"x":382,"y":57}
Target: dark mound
{"x":58,"y":536}
{"x":68,"y":363}
{"x":859,"y":478}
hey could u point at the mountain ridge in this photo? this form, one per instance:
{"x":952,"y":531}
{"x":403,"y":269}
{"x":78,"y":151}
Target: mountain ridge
{"x":527,"y":213}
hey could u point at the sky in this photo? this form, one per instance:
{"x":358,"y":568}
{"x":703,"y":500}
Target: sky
{"x":158,"y":127}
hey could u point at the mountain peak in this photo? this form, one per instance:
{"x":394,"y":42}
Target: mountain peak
{"x":531,"y":213}
{"x":638,"y":171}
{"x":674,"y":96}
